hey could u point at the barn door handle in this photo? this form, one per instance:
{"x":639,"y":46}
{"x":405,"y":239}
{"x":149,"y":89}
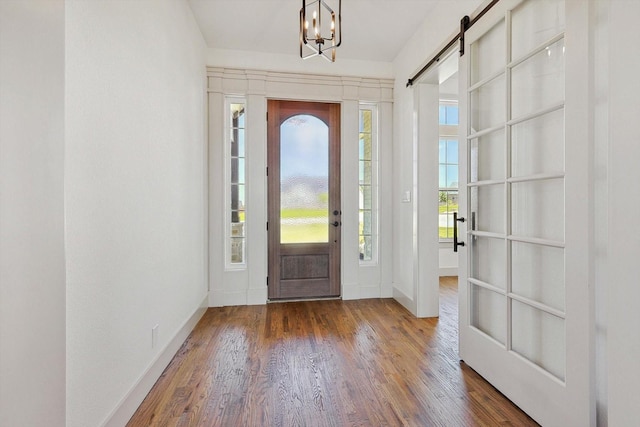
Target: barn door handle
{"x":455,"y":231}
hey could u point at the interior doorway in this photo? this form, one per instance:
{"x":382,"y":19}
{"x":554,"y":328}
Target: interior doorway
{"x":304,"y":213}
{"x":448,"y":167}
{"x":438,"y":115}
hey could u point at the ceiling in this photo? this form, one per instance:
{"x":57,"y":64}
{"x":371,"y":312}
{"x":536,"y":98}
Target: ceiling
{"x":372,"y":29}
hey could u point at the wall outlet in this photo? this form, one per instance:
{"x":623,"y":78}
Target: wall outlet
{"x":154,"y":336}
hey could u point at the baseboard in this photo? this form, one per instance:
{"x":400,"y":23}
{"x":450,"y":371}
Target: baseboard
{"x":220,"y":298}
{"x":216,"y":298}
{"x":406,"y":301}
{"x":369,"y":292}
{"x":132,"y":400}
{"x":448,"y":271}
{"x":257,"y":296}
{"x":386,"y":291}
{"x":234,"y":298}
{"x":350,"y":291}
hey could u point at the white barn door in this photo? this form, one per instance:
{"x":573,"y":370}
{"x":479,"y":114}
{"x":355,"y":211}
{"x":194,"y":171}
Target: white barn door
{"x":524,"y":294}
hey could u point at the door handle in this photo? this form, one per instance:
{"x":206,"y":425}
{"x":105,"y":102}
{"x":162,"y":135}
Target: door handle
{"x":455,"y":231}
{"x":336,"y":224}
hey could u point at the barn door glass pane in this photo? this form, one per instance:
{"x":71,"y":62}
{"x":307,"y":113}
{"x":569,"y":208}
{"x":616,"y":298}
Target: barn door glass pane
{"x":537,"y":208}
{"x":487,"y":157}
{"x":488,"y":257}
{"x":304,"y":180}
{"x":537,"y":145}
{"x":485,"y":51}
{"x":538,"y":82}
{"x":487,"y":105}
{"x":488,"y":313}
{"x":537,"y":203}
{"x":540,"y":337}
{"x":487,"y":202}
{"x":534,"y":22}
{"x":537,"y":273}
{"x":487,"y":208}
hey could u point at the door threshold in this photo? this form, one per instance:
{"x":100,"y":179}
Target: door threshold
{"x":271,"y":301}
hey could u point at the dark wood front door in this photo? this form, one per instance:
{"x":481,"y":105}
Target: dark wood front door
{"x":304,"y":199}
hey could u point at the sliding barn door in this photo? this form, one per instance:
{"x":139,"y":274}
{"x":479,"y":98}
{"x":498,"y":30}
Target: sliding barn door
{"x":524,"y":294}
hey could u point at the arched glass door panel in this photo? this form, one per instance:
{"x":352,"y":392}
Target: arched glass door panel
{"x":304,"y":180}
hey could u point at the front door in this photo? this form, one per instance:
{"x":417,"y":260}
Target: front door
{"x":304,"y":199}
{"x":524,"y":288}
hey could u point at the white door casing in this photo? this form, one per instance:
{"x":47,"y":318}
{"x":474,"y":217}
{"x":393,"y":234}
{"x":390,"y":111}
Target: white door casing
{"x":525,"y":300}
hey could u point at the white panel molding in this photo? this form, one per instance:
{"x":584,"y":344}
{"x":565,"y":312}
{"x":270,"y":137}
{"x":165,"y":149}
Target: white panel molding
{"x":125,"y":409}
{"x":257,"y":247}
{"x":288,"y":85}
{"x":215,"y":122}
{"x":349,"y":189}
{"x":385,"y":198}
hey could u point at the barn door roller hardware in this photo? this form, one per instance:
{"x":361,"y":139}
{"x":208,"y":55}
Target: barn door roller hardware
{"x":465,"y":24}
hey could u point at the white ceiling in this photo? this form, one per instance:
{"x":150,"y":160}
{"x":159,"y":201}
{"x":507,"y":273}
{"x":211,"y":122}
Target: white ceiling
{"x":372,"y":29}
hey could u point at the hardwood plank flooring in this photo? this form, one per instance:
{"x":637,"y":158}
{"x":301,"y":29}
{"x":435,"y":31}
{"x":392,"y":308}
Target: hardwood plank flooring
{"x":325,"y":363}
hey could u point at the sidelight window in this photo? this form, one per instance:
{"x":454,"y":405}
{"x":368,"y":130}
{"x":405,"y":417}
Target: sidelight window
{"x":236,"y":181}
{"x":367,"y":149}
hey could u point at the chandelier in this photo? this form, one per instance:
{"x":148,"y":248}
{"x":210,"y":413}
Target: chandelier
{"x":311,"y":33}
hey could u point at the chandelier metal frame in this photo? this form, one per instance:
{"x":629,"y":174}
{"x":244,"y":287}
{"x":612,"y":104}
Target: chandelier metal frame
{"x":311,"y":34}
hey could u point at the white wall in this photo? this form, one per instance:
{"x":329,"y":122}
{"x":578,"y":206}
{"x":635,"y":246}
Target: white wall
{"x":600,"y":99}
{"x":134,"y":194}
{"x":32,"y":275}
{"x":623,"y":316}
{"x":448,"y":260}
{"x":616,"y":202}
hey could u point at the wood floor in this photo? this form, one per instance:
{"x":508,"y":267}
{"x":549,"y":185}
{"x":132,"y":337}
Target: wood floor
{"x":325,"y":363}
